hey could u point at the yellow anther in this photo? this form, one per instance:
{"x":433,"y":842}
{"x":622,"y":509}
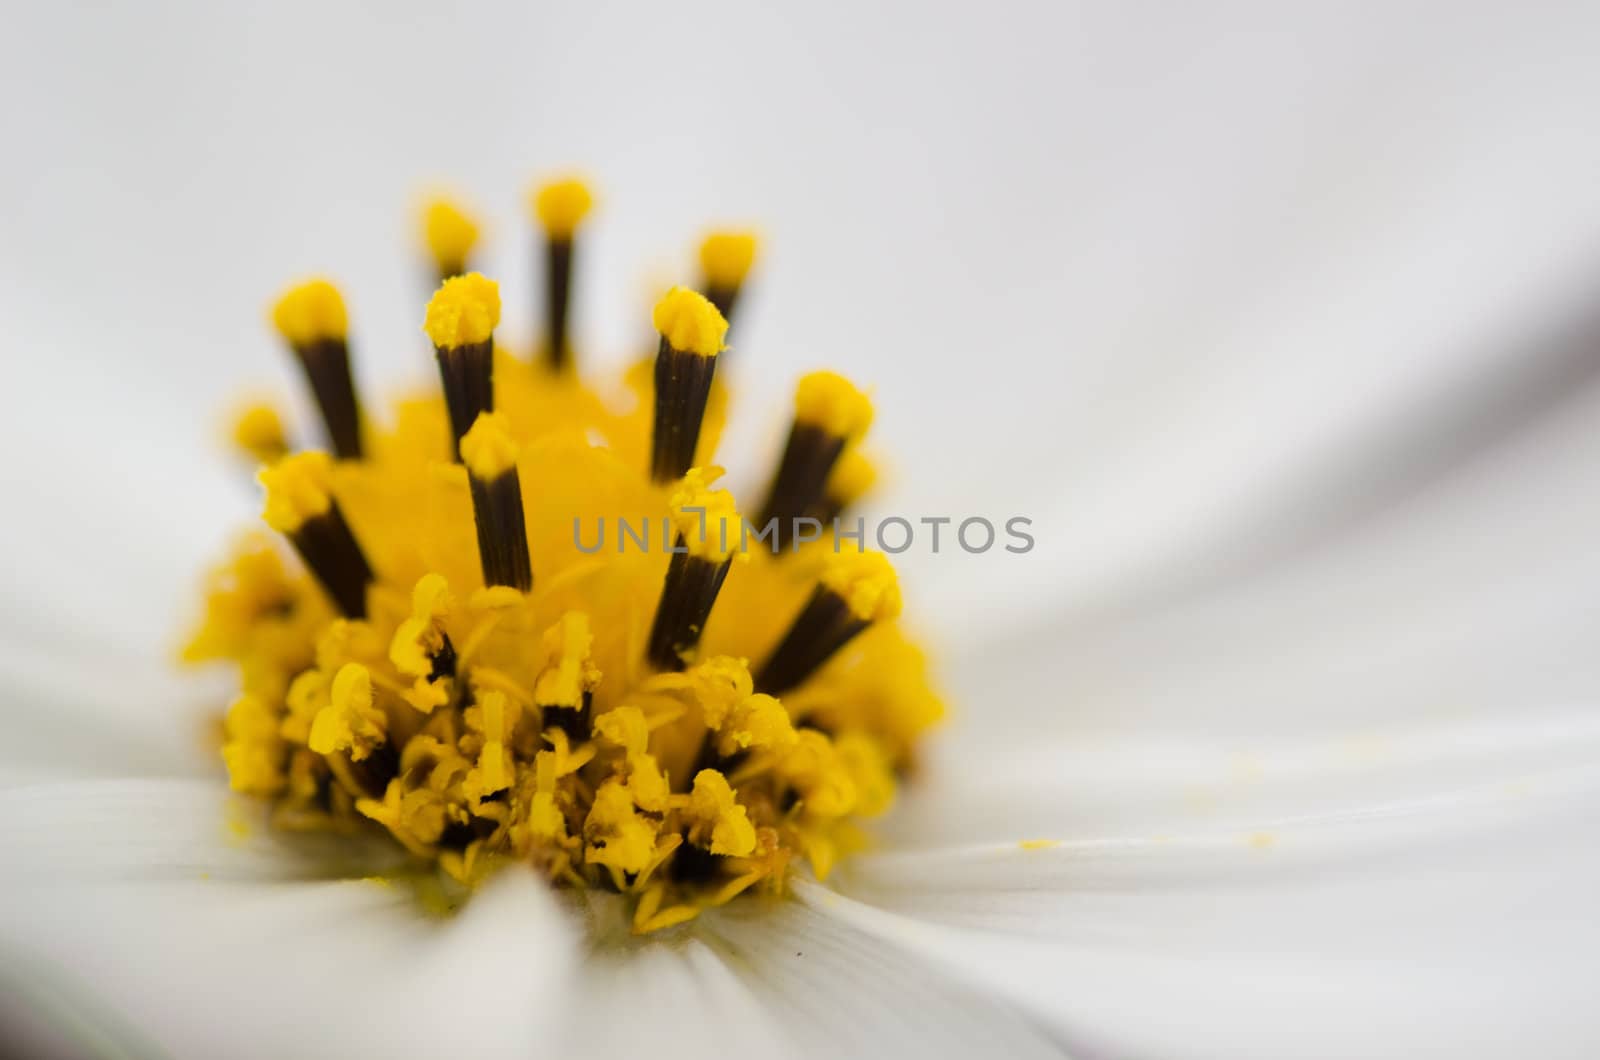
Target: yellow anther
{"x":617,"y":835}
{"x":258,"y":431}
{"x":487,"y":448}
{"x":720,"y":823}
{"x":853,"y":476}
{"x":726,"y":257}
{"x":494,"y":761}
{"x":449,"y":231}
{"x":351,"y":722}
{"x":561,"y":205}
{"x":310,"y":312}
{"x":254,"y":752}
{"x":690,"y":323}
{"x":866,"y":582}
{"x":815,"y":768}
{"x":419,"y":637}
{"x":830,"y":401}
{"x":705,"y":518}
{"x":623,"y":727}
{"x":648,"y":784}
{"x":759,"y":722}
{"x":863,"y":760}
{"x":464,"y":311}
{"x":718,"y":684}
{"x":299,"y":488}
{"x":568,"y":670}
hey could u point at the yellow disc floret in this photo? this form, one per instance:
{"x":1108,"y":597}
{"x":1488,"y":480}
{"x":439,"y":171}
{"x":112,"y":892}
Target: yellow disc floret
{"x":487,"y":448}
{"x":561,"y":205}
{"x":665,"y":716}
{"x":726,"y":257}
{"x":299,"y":487}
{"x":464,"y":311}
{"x":690,"y":323}
{"x":830,"y":401}
{"x":309,"y":312}
{"x":449,"y":232}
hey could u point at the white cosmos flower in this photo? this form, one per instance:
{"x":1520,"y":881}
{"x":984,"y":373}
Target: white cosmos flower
{"x":1284,"y":346}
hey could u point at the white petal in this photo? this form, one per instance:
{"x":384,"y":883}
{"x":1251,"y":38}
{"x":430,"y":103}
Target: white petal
{"x":1316,"y":902}
{"x":773,"y":978}
{"x":304,"y":969}
{"x":114,"y":830}
{"x":1466,"y":596}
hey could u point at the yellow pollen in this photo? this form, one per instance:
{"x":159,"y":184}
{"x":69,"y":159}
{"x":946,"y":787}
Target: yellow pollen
{"x":474,"y":726}
{"x":299,"y":488}
{"x":309,"y":312}
{"x":464,"y":311}
{"x":726,"y":257}
{"x":487,"y":448}
{"x":866,"y":582}
{"x":830,"y":401}
{"x":449,"y":232}
{"x":561,"y":205}
{"x":690,"y":323}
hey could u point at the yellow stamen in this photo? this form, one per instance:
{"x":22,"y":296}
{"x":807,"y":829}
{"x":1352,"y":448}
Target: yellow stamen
{"x":866,"y":582}
{"x":720,"y":823}
{"x":450,"y":233}
{"x":299,"y":488}
{"x":689,"y":323}
{"x":831,"y":402}
{"x":310,"y":311}
{"x":350,"y":722}
{"x":488,"y":449}
{"x":464,"y":311}
{"x":706,"y":520}
{"x":561,"y":205}
{"x":726,"y":257}
{"x":258,"y":431}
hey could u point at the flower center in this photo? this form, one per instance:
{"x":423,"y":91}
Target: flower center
{"x":522,"y":623}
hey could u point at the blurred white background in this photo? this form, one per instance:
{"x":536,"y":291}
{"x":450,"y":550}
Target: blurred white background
{"x":1272,"y":317}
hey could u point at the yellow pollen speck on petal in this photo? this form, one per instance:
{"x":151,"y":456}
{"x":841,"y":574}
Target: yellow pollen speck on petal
{"x":705,"y":518}
{"x":310,"y":312}
{"x":487,"y":448}
{"x":299,"y":488}
{"x":724,"y":825}
{"x":690,"y":323}
{"x":449,"y":231}
{"x":1262,"y":840}
{"x":1039,"y":844}
{"x":561,"y":205}
{"x":866,"y":582}
{"x":464,"y":311}
{"x":258,"y":431}
{"x":831,"y":402}
{"x":726,"y":257}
